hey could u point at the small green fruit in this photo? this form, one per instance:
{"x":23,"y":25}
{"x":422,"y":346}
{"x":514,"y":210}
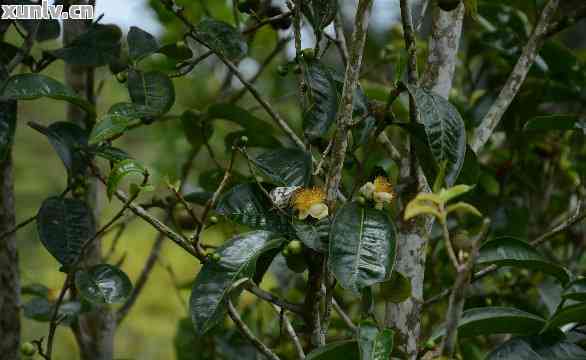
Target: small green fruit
{"x":28,"y":349}
{"x":244,"y":139}
{"x":216,"y":257}
{"x":214,"y":219}
{"x":286,"y":252}
{"x":295,"y":247}
{"x":283,"y":70}
{"x":448,"y":5}
{"x":361,"y":200}
{"x":308,"y":54}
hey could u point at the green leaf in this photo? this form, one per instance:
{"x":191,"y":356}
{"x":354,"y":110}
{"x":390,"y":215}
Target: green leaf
{"x":111,"y":127}
{"x":98,"y":46}
{"x":537,"y":348}
{"x":40,"y":309}
{"x":48,"y":29}
{"x":315,"y":236}
{"x":153,"y":89}
{"x":121,"y":170}
{"x":397,"y":289}
{"x":285,"y":167}
{"x":34,"y":86}
{"x":575,"y":290}
{"x":111,"y":153}
{"x":64,"y":225}
{"x":68,"y":140}
{"x":445,"y":130}
{"x":367,"y":334}
{"x":246,"y":204}
{"x":197,"y":128}
{"x":199,"y":197}
{"x":347,"y":349}
{"x":103,"y":284}
{"x":8,"y":112}
{"x":320,"y":101}
{"x":238,"y":258}
{"x":508,"y":251}
{"x":362,"y":247}
{"x":141,"y":44}
{"x":568,"y":314}
{"x":454,"y":192}
{"x":222,"y":38}
{"x":464,"y":208}
{"x":374,"y":344}
{"x":495,"y":320}
{"x":176,"y":52}
{"x":552,"y":122}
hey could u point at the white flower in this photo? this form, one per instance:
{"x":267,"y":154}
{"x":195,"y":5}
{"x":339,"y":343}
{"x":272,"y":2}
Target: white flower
{"x":367,"y":190}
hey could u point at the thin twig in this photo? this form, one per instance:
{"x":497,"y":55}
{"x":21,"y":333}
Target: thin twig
{"x":273,"y":299}
{"x":18,"y":227}
{"x":291,"y":331}
{"x":516,"y":78}
{"x":458,"y":296}
{"x":54,"y":320}
{"x":345,"y":318}
{"x":244,"y":329}
{"x":266,"y":21}
{"x":25,"y":49}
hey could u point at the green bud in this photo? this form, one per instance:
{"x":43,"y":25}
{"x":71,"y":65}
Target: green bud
{"x":244,"y":139}
{"x":286,"y":252}
{"x":28,"y":349}
{"x":308,"y":54}
{"x":216,"y":257}
{"x":295,"y":247}
{"x":361,"y":200}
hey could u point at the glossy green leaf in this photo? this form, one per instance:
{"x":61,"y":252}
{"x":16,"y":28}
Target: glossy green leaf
{"x":121,"y":170}
{"x":153,"y":89}
{"x":445,"y":130}
{"x":199,"y":197}
{"x":575,"y":290}
{"x":8,"y":113}
{"x":315,"y":236}
{"x":495,"y":320}
{"x":176,"y":52}
{"x":98,"y":46}
{"x":140,"y":43}
{"x":463,"y":207}
{"x":362,"y":247}
{"x":568,"y":314}
{"x":41,"y":309}
{"x":131,"y":110}
{"x":64,"y":225}
{"x":508,"y":251}
{"x":285,"y":166}
{"x":374,"y":344}
{"x":111,"y":127}
{"x":320,"y":99}
{"x":552,"y":122}
{"x":347,"y":349}
{"x":103,"y":284}
{"x":222,"y":38}
{"x":238,"y":258}
{"x":111,"y":153}
{"x":34,"y":86}
{"x":246,"y":204}
{"x":197,"y":128}
{"x":69,"y":142}
{"x":397,"y":289}
{"x":537,"y":348}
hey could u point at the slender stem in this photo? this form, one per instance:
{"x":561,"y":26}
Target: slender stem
{"x":18,"y":227}
{"x":54,"y":318}
{"x":516,"y":78}
{"x":449,"y":246}
{"x":273,"y":299}
{"x":345,"y":318}
{"x":291,"y":331}
{"x":266,"y":21}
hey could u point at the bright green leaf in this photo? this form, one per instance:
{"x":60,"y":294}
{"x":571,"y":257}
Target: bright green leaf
{"x":121,"y":170}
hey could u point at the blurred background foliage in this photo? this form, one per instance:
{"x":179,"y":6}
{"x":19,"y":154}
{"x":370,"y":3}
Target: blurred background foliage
{"x":513,"y":178}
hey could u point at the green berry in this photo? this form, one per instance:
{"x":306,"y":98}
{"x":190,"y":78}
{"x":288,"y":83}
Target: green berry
{"x":214,"y":219}
{"x":283,"y":70}
{"x":361,"y":200}
{"x":286,"y":252}
{"x":216,"y":257}
{"x":295,"y":247}
{"x":244,"y":139}
{"x":308,"y":54}
{"x":28,"y":349}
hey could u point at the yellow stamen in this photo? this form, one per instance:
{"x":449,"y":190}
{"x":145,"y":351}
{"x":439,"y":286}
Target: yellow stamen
{"x":305,"y":198}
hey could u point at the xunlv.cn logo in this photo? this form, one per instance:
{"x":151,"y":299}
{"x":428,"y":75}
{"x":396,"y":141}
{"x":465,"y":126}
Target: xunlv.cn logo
{"x":46,"y":11}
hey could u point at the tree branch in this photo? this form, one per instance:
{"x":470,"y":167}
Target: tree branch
{"x":516,"y":78}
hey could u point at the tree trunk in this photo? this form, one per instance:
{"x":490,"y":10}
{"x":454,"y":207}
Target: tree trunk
{"x":406,"y":316}
{"x":95,"y":330}
{"x":9,"y":273}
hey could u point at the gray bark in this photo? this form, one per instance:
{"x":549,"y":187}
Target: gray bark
{"x":95,"y":330}
{"x":411,"y":250}
{"x":9,"y":274}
